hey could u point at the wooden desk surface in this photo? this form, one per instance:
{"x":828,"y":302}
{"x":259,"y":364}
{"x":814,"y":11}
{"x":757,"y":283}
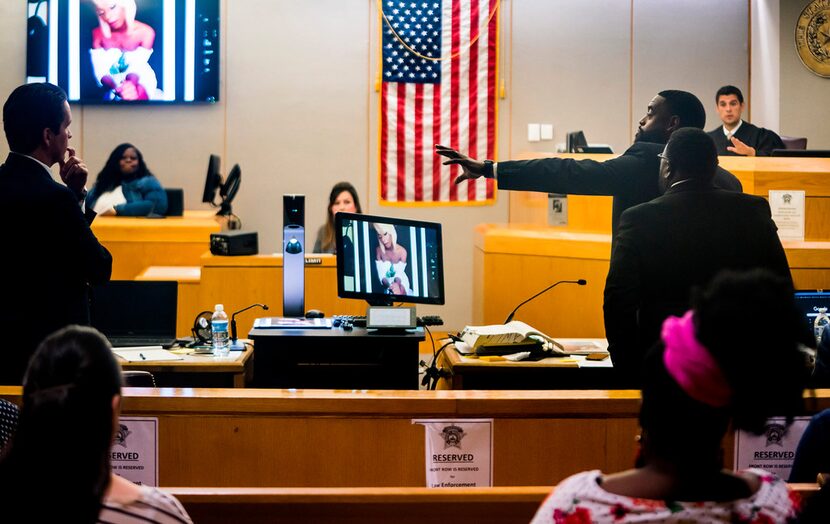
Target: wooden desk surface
{"x":473,"y":373}
{"x":459,"y":362}
{"x":188,"y":228}
{"x":238,"y":364}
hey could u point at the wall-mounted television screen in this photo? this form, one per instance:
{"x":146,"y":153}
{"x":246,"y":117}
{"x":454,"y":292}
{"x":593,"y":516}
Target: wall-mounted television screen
{"x":125,"y":51}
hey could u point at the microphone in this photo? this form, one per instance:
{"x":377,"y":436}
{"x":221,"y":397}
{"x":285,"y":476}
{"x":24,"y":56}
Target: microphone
{"x":234,"y":344}
{"x":581,"y":282}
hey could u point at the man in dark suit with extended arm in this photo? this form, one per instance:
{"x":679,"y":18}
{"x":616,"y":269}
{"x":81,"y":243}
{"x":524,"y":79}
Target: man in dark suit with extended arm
{"x":51,"y":255}
{"x":632,"y":178}
{"x":678,"y":241}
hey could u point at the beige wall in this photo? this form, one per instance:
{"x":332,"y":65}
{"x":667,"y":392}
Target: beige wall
{"x":805,"y":97}
{"x":298,"y":109}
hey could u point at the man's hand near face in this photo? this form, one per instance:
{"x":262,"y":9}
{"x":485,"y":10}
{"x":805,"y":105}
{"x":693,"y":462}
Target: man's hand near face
{"x":74,"y":173}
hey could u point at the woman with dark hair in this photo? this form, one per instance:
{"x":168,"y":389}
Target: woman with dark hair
{"x":343,"y":197}
{"x":57,"y":466}
{"x":125,"y":186}
{"x":707,"y":371}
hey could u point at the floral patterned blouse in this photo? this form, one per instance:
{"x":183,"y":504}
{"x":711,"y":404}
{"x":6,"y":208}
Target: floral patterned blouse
{"x":580,"y":499}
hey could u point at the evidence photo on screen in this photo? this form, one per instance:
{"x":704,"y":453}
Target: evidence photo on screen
{"x":397,"y":258}
{"x":126,"y":51}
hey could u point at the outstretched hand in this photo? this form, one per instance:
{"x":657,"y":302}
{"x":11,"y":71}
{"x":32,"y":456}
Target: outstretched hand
{"x":73,"y":172}
{"x":739,"y":148}
{"x":471,"y":168}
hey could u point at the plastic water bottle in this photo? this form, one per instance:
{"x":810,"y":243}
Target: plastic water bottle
{"x":219,"y":326}
{"x":820,"y":323}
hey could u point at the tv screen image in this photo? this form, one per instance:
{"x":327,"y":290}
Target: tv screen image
{"x":384,"y":260}
{"x":126,"y":51}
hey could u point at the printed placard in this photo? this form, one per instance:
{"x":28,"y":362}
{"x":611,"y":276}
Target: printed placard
{"x":773,"y":451}
{"x":459,"y":453}
{"x":557,"y":209}
{"x":134,"y":452}
{"x":788,"y":213}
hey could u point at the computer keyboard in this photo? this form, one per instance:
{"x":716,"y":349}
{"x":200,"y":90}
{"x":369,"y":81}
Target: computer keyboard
{"x":353,"y":321}
{"x":348,"y":321}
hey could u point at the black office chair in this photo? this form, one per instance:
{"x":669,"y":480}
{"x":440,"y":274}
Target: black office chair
{"x":794,"y":142}
{"x":138,"y":379}
{"x":9,"y":414}
{"x":175,"y":202}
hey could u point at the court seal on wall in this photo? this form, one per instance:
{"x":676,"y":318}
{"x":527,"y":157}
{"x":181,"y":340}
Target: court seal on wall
{"x":812,"y":37}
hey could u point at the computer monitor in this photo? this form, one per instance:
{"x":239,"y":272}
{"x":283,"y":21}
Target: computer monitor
{"x":384,"y":260}
{"x":213,"y":180}
{"x":808,"y":153}
{"x":573,"y":140}
{"x":229,"y":189}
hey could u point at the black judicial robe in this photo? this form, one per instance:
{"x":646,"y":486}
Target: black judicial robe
{"x":763,"y":140}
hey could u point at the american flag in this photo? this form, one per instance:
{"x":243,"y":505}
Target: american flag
{"x":449,"y":101}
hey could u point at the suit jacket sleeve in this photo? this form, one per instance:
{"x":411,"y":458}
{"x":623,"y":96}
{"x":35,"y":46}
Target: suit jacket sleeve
{"x":578,"y":177}
{"x":623,"y":295}
{"x":776,"y":257}
{"x":94,"y":262}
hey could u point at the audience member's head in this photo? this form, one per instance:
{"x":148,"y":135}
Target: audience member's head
{"x":71,"y":396}
{"x":35,"y":119}
{"x":124,"y":163}
{"x":706,"y":373}
{"x":343,"y":198}
{"x":667,"y":112}
{"x":729,"y":102}
{"x":690,"y":154}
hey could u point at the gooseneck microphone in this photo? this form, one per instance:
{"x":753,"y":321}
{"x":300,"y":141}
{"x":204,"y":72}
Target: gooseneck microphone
{"x":233,"y":318}
{"x":581,"y":282}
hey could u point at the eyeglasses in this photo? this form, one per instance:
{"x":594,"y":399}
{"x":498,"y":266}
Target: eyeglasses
{"x":661,"y":156}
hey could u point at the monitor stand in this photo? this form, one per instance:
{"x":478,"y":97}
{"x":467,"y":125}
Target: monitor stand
{"x":387,"y":319}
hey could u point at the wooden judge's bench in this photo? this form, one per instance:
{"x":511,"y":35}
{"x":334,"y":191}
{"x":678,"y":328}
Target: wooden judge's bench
{"x":514,"y":261}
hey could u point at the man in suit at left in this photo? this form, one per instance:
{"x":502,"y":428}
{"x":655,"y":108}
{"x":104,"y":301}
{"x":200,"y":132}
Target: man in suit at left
{"x":50,"y":254}
{"x":679,"y":241}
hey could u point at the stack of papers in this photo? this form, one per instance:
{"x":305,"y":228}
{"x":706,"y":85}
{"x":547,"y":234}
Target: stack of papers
{"x":145,"y":354}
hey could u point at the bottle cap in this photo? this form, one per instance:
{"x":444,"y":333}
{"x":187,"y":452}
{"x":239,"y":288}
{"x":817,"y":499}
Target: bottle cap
{"x":220,"y":307}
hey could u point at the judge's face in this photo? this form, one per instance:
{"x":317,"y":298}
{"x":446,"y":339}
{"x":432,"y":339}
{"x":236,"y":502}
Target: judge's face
{"x":729,"y":109}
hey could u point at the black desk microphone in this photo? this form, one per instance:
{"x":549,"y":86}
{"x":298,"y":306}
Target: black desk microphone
{"x":233,"y":323}
{"x":581,"y":282}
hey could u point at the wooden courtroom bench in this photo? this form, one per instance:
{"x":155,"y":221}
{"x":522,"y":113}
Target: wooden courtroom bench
{"x":497,"y":505}
{"x":326,"y":438}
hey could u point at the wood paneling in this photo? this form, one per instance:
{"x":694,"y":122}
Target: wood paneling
{"x":137,"y":242}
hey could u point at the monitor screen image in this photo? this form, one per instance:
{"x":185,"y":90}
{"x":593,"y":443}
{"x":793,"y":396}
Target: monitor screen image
{"x":384,"y":260}
{"x":808,"y":301}
{"x":125,"y":51}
